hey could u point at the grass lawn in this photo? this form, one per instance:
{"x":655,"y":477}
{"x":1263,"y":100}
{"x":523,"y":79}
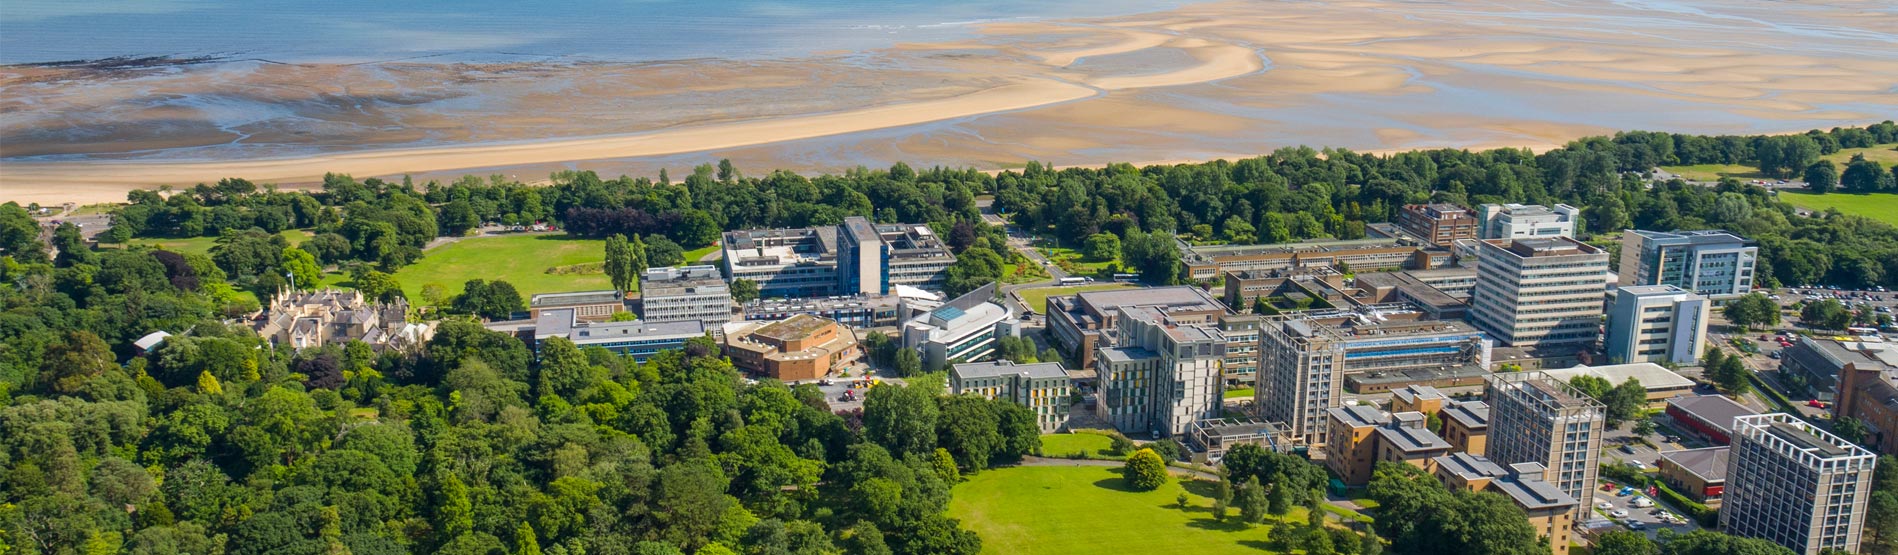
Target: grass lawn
{"x":1071,"y":260}
{"x":1878,"y":206}
{"x":202,"y":245}
{"x":1241,"y":393}
{"x":521,"y":260}
{"x":1065,"y":510}
{"x":1885,"y":155}
{"x":1064,"y":445}
{"x":1037,"y":298}
{"x":691,"y":257}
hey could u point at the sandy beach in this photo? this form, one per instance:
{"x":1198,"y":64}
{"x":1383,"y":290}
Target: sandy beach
{"x":1204,"y":81}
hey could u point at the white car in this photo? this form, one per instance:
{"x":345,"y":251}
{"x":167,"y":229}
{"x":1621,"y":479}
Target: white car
{"x":1618,"y":513}
{"x":1641,"y":503}
{"x":1604,"y":505}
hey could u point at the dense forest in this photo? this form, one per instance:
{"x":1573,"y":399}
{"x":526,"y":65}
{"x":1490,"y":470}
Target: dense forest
{"x":216,"y":442}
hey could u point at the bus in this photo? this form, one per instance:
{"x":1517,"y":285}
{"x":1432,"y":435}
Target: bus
{"x":1075,"y":280}
{"x":1126,"y":278}
{"x":1872,"y":332}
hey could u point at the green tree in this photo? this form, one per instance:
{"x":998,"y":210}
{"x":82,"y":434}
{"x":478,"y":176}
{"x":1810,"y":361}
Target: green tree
{"x":969,"y":430}
{"x":1732,"y":376}
{"x":619,"y":263}
{"x":377,"y":285}
{"x":525,"y":542}
{"x":1252,"y":500}
{"x":1623,"y":542}
{"x":72,"y":247}
{"x":1103,"y":246}
{"x":901,"y":418}
{"x":1752,"y":310}
{"x":1827,"y":314}
{"x":661,"y":252}
{"x":1861,"y":175}
{"x":1145,"y":471}
{"x":744,"y":290}
{"x":1851,"y":429}
{"x":20,"y":234}
{"x":1624,"y":402}
{"x":302,"y":267}
{"x":907,"y":363}
{"x":1822,"y":177}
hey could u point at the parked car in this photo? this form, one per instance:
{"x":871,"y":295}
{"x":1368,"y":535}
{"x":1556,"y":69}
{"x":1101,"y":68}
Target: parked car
{"x":1641,"y":503}
{"x":1618,"y":513}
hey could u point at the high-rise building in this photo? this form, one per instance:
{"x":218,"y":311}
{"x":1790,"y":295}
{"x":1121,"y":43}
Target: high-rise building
{"x":1656,"y":323}
{"x":1714,"y":263}
{"x":1539,"y":292}
{"x":1304,"y":360}
{"x":1042,"y":387}
{"x":1534,"y":418}
{"x":678,"y":294}
{"x":1442,"y":224}
{"x":1163,"y":376}
{"x":855,"y":258}
{"x":1796,"y":485}
{"x":1242,"y":347}
{"x":1517,"y":221}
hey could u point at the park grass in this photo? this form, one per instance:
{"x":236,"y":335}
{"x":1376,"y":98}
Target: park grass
{"x":1878,"y":206}
{"x":521,"y":260}
{"x":202,"y":245}
{"x":693,"y":256}
{"x":1034,"y":510}
{"x":1037,"y":298}
{"x":1069,"y":445}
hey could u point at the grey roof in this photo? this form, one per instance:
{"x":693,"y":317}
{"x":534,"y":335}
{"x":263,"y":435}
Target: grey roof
{"x":1532,"y":493}
{"x":1521,"y":482}
{"x":561,"y":322}
{"x":1805,"y":440}
{"x":573,"y":298}
{"x":1181,"y":297}
{"x":1411,"y":393}
{"x":1471,"y":414}
{"x":1715,"y":410}
{"x":1009,"y":368}
{"x":1359,"y":415}
{"x":1126,"y":354}
{"x":151,"y":340}
{"x":1470,"y":466}
{"x":1408,"y":439}
{"x":1709,"y":463}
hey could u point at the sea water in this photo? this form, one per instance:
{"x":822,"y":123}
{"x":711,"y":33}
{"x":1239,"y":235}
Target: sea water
{"x":354,"y":31}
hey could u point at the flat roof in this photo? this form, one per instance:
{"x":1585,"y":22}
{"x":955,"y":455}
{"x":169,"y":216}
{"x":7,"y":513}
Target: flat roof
{"x":1716,"y":410}
{"x":1359,"y":416}
{"x":1709,"y":463}
{"x":1009,"y":368}
{"x":793,"y":328}
{"x":1804,"y":440}
{"x":1652,"y":376}
{"x":1179,"y":297}
{"x":1126,"y":354}
{"x":572,"y":298}
{"x":1410,"y":439}
{"x":1471,"y":414}
{"x":1469,"y":467}
{"x":1412,"y":393}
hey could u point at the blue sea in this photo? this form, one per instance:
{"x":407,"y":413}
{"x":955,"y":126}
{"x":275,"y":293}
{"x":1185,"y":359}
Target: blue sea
{"x":349,"y":31}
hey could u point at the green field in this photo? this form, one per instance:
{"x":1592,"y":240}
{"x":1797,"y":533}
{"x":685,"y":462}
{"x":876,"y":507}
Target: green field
{"x":1885,"y":155}
{"x":1241,"y":393}
{"x":1037,"y":298}
{"x":1071,"y":261}
{"x":1065,"y":510}
{"x":202,"y":245}
{"x":694,"y":256}
{"x":521,"y":260}
{"x":1878,"y":206}
{"x":1065,"y":445}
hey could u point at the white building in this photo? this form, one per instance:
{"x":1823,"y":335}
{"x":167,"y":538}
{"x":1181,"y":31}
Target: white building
{"x":1162,"y":377}
{"x":1518,"y":221}
{"x":1539,"y":292}
{"x":966,"y":329}
{"x":1656,"y":323}
{"x":685,"y":293}
{"x":1714,"y":263}
{"x":1796,"y":485}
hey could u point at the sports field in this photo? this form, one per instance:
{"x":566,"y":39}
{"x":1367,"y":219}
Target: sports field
{"x":521,"y":260}
{"x":1037,"y":298}
{"x":1070,"y":510}
{"x":1878,"y":206}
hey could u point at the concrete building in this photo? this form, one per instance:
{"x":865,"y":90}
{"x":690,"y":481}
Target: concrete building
{"x":308,"y":319}
{"x":592,"y":306}
{"x":1714,"y":263}
{"x":855,"y":258}
{"x":1242,"y":348}
{"x":1700,"y":474}
{"x":1538,"y":419}
{"x":1796,"y":485}
{"x":1211,"y":439}
{"x":1822,"y":362}
{"x":1163,"y":375}
{"x":856,"y":311}
{"x":638,"y":339}
{"x":1243,"y":287}
{"x":1404,"y":287}
{"x":1539,"y":292}
{"x":678,"y":294}
{"x":1661,"y":384}
{"x":1083,"y":323}
{"x":967,"y":328}
{"x":796,"y":349}
{"x":1551,"y":511}
{"x":1517,"y":221}
{"x":1656,"y":323}
{"x":1466,"y":426}
{"x":1364,"y":436}
{"x":1442,"y":224}
{"x":1868,"y":391}
{"x":1711,"y":416}
{"x":1304,"y":360}
{"x":1044,"y":388}
{"x":1206,"y":262}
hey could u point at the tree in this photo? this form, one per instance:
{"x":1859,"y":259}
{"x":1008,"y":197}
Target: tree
{"x":1154,"y":255}
{"x":969,"y":430}
{"x":302,"y":267}
{"x":1624,"y":401}
{"x":20,"y":234}
{"x":1251,"y":499}
{"x":1850,"y":429}
{"x":619,"y":263}
{"x":377,"y":285}
{"x":744,"y":290}
{"x":1732,"y":376}
{"x":1828,"y":314}
{"x":661,"y":252}
{"x":1752,"y":310}
{"x":974,"y":268}
{"x":1279,"y":500}
{"x":1822,"y":177}
{"x":72,"y":247}
{"x":901,"y":418}
{"x":907,"y":363}
{"x":525,"y":542}
{"x":1623,"y":542}
{"x":491,"y":300}
{"x":1644,"y":427}
{"x":1144,"y":471}
{"x":1103,"y":246}
{"x":1861,"y":175}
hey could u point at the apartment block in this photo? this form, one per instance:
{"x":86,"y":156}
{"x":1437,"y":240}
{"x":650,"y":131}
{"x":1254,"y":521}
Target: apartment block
{"x":1442,"y":224}
{"x":1534,"y":418}
{"x":1714,"y":263}
{"x":1242,"y":347}
{"x":855,"y":258}
{"x":1304,"y":360}
{"x":967,"y":328}
{"x":1518,"y":221}
{"x":1364,"y":436}
{"x":1043,"y":387}
{"x":1796,"y":485}
{"x":1539,"y":292}
{"x":1656,"y":323}
{"x":1083,"y":323}
{"x":796,"y":349}
{"x":1466,"y":426}
{"x":1550,"y":510}
{"x":1163,"y":376}
{"x":685,"y":293}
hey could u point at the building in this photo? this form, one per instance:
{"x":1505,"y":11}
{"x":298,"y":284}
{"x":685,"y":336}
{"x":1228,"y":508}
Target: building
{"x":856,"y":311}
{"x":638,"y":339}
{"x":1418,"y":398}
{"x":1211,"y":439}
{"x":1822,"y":362}
{"x":795,"y":349}
{"x":1043,"y":387}
{"x":1517,"y":221}
{"x":1383,"y":381}
{"x":1207,"y":262}
{"x":1404,"y":287}
{"x":855,"y":258}
{"x":1364,"y":436}
{"x":678,"y":294}
{"x":1700,"y":474}
{"x":1242,"y":348}
{"x":1796,"y":485}
{"x":1868,"y":391}
{"x":1534,"y":418}
{"x":307,"y":319}
{"x":1163,"y":376}
{"x":1442,"y":224}
{"x":1714,"y":263}
{"x":965,"y":329}
{"x":1661,"y":383}
{"x":1711,"y":416}
{"x":1539,"y":292}
{"x":591,"y":306}
{"x":1656,"y":323}
{"x":1466,"y":426}
{"x":1305,"y":360}
{"x":1550,"y":510}
{"x":1244,"y":287}
{"x":1083,"y":323}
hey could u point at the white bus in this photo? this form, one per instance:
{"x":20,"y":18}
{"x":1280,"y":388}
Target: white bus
{"x":1075,"y":280}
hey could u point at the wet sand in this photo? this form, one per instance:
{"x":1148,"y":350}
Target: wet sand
{"x":1206,"y":81}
